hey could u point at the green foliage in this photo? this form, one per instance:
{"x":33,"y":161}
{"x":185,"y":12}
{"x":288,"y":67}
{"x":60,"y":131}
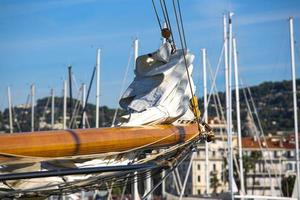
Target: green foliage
{"x":287,"y":185}
{"x":214,"y":182}
{"x":22,"y":115}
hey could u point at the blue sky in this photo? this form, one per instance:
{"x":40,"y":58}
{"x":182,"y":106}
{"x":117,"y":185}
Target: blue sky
{"x":39,"y":39}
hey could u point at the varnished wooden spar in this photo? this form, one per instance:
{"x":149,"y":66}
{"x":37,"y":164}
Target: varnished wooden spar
{"x":61,"y":143}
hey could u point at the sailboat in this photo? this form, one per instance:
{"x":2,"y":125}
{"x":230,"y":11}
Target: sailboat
{"x":160,"y":130}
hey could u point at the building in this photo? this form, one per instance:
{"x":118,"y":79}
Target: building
{"x":274,"y":159}
{"x":266,"y":161}
{"x":217,"y":169}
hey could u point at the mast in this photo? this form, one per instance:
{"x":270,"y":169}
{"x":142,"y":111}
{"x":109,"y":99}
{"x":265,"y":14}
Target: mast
{"x":237,"y":97}
{"x":205,"y":119}
{"x":135,"y":182}
{"x":32,"y":106}
{"x":230,"y":167}
{"x":83,"y":104}
{"x":136,"y":50}
{"x":293,"y":66}
{"x":163,"y":173}
{"x":228,"y":110}
{"x":52,"y":108}
{"x":163,"y":184}
{"x":11,"y":129}
{"x":97,"y":87}
{"x":148,"y":185}
{"x":65,"y":105}
{"x":71,"y":95}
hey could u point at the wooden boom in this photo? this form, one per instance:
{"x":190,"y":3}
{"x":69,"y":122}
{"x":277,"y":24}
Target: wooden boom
{"x":61,"y":143}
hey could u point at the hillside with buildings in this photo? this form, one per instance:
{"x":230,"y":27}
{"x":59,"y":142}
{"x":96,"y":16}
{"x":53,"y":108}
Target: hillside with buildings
{"x":22,"y":115}
{"x":274,"y":107}
{"x":273,"y":102}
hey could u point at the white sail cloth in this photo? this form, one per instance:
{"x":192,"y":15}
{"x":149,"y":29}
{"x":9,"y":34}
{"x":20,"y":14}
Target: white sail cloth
{"x":160,"y":91}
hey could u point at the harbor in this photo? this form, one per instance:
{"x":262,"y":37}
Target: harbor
{"x":178,"y":100}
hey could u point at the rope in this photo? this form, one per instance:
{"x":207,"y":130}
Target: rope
{"x":181,"y":22}
{"x":213,"y":81}
{"x":44,"y":113}
{"x":75,"y":110}
{"x":264,"y":138}
{"x":164,"y":13}
{"x":26,"y":107}
{"x":184,"y":49}
{"x":168,"y":22}
{"x":163,"y":178}
{"x":122,"y":87}
{"x":173,"y":148}
{"x":92,"y":182}
{"x":87,"y":96}
{"x":157,"y":17}
{"x":256,"y":131}
{"x":15,"y":118}
{"x":166,"y":19}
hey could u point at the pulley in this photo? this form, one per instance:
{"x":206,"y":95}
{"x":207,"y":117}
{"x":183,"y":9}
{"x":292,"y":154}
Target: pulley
{"x":165,"y":33}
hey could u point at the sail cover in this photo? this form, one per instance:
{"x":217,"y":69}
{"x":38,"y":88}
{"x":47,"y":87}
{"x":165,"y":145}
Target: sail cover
{"x":160,"y":91}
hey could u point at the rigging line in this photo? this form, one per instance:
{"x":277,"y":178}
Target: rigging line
{"x":16,"y":119}
{"x":169,"y":23}
{"x":173,"y":148}
{"x":44,"y":113}
{"x":122,"y":87}
{"x":164,"y":13}
{"x":263,"y":135}
{"x":75,"y":81}
{"x":142,"y":175}
{"x":24,"y":110}
{"x":167,"y":20}
{"x":256,"y":131}
{"x":181,"y":22}
{"x":75,"y":110}
{"x":165,"y":7}
{"x":214,"y":80}
{"x":92,"y":184}
{"x":77,"y":107}
{"x":187,"y":175}
{"x":217,"y":101}
{"x":65,"y":185}
{"x":125,"y":185}
{"x":157,"y":17}
{"x":163,"y":178}
{"x":185,"y":62}
{"x":87,"y":96}
{"x":218,"y":114}
{"x":218,"y":105}
{"x":120,"y":176}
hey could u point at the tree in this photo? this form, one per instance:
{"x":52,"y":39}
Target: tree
{"x":214,"y":182}
{"x":287,"y":185}
{"x":255,"y":158}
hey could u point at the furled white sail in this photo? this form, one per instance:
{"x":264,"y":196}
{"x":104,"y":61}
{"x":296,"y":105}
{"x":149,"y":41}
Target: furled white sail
{"x":160,"y":91}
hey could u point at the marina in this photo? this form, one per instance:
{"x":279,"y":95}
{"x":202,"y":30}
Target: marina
{"x":186,"y":118}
